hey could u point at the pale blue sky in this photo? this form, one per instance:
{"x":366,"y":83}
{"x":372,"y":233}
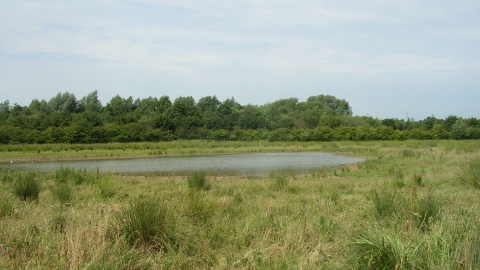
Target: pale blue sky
{"x":384,"y":57}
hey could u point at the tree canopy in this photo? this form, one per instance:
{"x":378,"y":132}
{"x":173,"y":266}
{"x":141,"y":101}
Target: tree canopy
{"x":66,"y":119}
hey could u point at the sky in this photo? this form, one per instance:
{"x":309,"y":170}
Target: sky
{"x":388,"y":59}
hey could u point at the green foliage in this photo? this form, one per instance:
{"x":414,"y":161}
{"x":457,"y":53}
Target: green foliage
{"x":426,"y":211}
{"x":198,"y":181}
{"x":144,"y":223}
{"x":62,"y":192}
{"x":58,"y":222}
{"x":27,"y":186}
{"x":198,"y":209}
{"x":377,"y":250}
{"x":418,"y":180}
{"x":7,"y":205}
{"x":385,"y":202}
{"x":67,"y":175}
{"x":64,"y":119}
{"x":107,"y":187}
{"x":471,"y":174}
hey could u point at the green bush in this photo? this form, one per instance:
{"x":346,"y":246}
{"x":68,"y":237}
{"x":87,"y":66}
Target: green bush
{"x":27,"y":187}
{"x":197,"y":181}
{"x":144,"y":223}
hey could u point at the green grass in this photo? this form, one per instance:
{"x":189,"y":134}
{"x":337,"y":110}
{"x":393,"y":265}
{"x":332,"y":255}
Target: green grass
{"x":471,"y":173}
{"x":376,"y":215}
{"x":197,"y":181}
{"x":144,"y":223}
{"x":385,"y":202}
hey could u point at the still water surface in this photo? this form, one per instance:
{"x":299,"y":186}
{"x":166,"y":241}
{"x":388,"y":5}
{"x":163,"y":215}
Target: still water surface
{"x":240,"y":164}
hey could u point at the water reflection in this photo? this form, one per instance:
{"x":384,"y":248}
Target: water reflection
{"x":240,"y":164}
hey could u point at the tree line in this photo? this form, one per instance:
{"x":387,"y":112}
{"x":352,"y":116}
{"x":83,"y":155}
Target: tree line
{"x":66,"y":119}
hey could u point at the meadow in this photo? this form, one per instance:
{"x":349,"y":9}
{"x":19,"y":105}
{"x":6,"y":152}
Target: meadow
{"x":410,"y":205}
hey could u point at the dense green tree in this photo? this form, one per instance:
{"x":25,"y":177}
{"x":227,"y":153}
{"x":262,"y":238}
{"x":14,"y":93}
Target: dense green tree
{"x":65,"y":102}
{"x":449,"y":122}
{"x":458,"y":131}
{"x":250,"y":117}
{"x":90,"y":103}
{"x":185,"y":117}
{"x":338,"y":106}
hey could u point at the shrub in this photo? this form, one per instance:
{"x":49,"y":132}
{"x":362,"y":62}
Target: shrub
{"x":197,"y":181}
{"x":144,"y":223}
{"x":27,"y":187}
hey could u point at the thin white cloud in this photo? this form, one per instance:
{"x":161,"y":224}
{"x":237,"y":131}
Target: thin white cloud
{"x":212,"y":42}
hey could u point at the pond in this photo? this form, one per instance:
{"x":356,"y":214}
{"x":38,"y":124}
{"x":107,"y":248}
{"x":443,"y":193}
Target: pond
{"x":236,"y":164}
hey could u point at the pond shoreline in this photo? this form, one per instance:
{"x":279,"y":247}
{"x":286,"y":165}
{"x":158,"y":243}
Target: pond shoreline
{"x":107,"y":157}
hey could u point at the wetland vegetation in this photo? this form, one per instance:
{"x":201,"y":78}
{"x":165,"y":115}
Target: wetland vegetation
{"x":410,"y":205}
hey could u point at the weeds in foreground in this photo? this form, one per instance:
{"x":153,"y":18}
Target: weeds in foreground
{"x":471,"y":174}
{"x":377,"y":250}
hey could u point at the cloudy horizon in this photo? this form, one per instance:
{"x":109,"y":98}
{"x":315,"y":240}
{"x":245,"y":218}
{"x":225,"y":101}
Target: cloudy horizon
{"x":386,"y":58}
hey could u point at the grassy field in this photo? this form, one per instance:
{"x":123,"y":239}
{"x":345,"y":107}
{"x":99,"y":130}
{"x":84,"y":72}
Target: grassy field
{"x":411,"y":205}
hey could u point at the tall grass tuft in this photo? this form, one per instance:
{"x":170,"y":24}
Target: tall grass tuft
{"x":199,"y":209}
{"x":107,"y":187}
{"x":471,"y":174}
{"x":281,"y":182}
{"x":384,"y":202}
{"x":27,"y":187}
{"x":426,"y":211}
{"x":7,"y":205}
{"x":62,"y":192}
{"x":377,"y":250}
{"x":144,"y":223}
{"x":197,"y":181}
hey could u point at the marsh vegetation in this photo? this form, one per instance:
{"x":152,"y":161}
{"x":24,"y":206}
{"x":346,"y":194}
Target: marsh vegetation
{"x":411,"y":205}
